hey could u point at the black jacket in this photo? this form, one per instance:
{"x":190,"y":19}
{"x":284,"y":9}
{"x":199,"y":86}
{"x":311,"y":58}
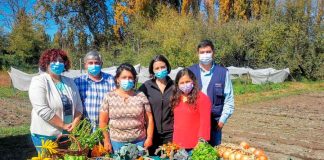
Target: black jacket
{"x":160,"y":104}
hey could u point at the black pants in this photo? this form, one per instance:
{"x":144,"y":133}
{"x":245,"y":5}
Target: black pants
{"x":160,"y":139}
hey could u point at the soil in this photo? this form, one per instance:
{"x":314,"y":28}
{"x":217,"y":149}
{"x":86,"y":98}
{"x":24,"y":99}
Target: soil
{"x":286,"y":128}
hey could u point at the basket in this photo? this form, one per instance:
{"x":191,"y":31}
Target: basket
{"x":63,"y":146}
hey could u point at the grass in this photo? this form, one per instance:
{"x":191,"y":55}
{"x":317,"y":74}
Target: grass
{"x":14,"y":131}
{"x":9,"y":92}
{"x":247,"y":93}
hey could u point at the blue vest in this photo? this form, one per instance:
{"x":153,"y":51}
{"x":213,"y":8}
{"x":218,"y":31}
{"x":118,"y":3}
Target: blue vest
{"x":215,"y":89}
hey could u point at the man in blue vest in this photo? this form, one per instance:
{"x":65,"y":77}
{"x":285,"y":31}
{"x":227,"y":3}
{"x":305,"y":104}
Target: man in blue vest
{"x":214,"y":81}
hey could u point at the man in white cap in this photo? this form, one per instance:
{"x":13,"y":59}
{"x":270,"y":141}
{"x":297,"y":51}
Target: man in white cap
{"x":93,"y":86}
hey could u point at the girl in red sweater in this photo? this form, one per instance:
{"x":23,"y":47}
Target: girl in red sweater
{"x":192,"y":110}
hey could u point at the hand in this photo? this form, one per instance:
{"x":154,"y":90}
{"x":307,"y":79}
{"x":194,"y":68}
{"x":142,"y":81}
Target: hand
{"x":73,"y":124}
{"x":67,"y":127}
{"x":108,"y":147}
{"x":148,"y":143}
{"x":220,"y":125}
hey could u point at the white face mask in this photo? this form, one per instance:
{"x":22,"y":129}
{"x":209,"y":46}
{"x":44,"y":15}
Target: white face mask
{"x":205,"y":58}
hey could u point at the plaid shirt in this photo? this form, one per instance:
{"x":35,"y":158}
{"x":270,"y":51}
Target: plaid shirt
{"x":92,"y":94}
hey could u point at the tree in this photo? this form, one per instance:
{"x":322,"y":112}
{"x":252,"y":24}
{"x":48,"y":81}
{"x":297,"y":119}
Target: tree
{"x":210,"y":4}
{"x":89,"y":15}
{"x":225,"y":10}
{"x":242,"y":9}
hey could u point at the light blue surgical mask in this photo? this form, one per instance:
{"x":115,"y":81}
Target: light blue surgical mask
{"x":57,"y":67}
{"x":205,"y":58}
{"x":94,"y":69}
{"x":126,"y":84}
{"x":161,"y":74}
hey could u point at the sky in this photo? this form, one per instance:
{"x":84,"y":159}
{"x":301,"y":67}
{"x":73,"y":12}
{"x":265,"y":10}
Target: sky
{"x":6,"y":14}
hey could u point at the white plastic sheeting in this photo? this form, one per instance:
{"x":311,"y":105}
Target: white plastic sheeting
{"x":238,"y":71}
{"x":260,"y":76}
{"x":21,"y":80}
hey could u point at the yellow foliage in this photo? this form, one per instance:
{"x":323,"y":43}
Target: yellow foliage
{"x":210,"y":9}
{"x":225,"y":10}
{"x":185,"y":6}
{"x":126,"y":9}
{"x":240,"y":9}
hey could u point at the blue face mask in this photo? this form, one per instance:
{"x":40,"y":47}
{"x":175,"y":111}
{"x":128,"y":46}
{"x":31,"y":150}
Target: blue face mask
{"x":57,"y":67}
{"x":126,"y":85}
{"x":161,"y":74}
{"x":94,"y":69}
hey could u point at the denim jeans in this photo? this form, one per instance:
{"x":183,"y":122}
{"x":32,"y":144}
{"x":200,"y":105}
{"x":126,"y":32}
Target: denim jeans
{"x":215,"y":137}
{"x":37,"y":140}
{"x":117,"y":145}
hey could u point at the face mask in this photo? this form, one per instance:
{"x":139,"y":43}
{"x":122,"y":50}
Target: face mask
{"x":94,"y":69}
{"x":161,"y":74}
{"x":126,"y":85}
{"x":186,"y":88}
{"x":57,"y":67}
{"x":205,"y":58}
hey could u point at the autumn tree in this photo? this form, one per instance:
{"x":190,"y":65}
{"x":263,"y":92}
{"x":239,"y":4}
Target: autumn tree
{"x":242,"y":9}
{"x":225,"y":10}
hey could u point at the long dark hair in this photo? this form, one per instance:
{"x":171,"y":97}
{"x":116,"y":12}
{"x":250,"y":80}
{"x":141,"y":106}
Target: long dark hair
{"x":127,"y":67}
{"x":156,"y":59}
{"x":192,"y":96}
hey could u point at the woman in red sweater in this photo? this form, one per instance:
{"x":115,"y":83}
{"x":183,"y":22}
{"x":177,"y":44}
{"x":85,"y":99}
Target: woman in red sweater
{"x":191,"y":109}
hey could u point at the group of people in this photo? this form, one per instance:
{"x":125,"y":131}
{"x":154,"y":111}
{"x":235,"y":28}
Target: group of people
{"x":195,"y":105}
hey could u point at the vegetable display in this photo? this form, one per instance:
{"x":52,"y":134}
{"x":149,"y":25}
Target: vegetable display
{"x":243,"y":151}
{"x":171,"y":151}
{"x":204,"y":151}
{"x":129,"y":152}
{"x":70,"y":157}
{"x":82,"y":132}
{"x":98,"y":150}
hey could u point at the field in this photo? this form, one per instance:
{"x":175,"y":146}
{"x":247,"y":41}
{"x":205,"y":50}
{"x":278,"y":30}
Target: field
{"x":286,"y":120}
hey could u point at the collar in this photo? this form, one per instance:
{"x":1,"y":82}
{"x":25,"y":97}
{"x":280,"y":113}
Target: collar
{"x":207,"y":73}
{"x":169,"y":82}
{"x":102,"y":77}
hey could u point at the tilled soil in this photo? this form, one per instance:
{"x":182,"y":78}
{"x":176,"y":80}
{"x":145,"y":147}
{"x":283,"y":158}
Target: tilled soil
{"x":287,"y":128}
{"x":14,"y":112}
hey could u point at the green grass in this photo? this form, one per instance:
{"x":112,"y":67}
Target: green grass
{"x":14,"y":131}
{"x":9,"y":92}
{"x":240,"y":88}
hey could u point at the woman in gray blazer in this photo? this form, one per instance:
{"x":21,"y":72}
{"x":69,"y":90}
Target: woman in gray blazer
{"x":56,"y":102}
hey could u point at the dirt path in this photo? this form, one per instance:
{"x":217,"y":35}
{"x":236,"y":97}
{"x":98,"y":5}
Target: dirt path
{"x":288,"y":128}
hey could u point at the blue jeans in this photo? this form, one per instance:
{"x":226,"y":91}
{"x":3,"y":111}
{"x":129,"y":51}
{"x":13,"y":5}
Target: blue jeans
{"x":37,"y":140}
{"x":117,"y":145}
{"x":215,"y":137}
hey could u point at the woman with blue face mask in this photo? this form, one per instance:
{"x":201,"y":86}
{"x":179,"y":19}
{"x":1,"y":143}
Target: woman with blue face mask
{"x":191,"y":109}
{"x":128,"y":113}
{"x":158,"y":90}
{"x":57,"y":106}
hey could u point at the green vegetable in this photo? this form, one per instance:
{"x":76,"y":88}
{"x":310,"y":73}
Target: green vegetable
{"x":82,"y":132}
{"x":204,"y":151}
{"x":71,"y":157}
{"x":129,"y":151}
